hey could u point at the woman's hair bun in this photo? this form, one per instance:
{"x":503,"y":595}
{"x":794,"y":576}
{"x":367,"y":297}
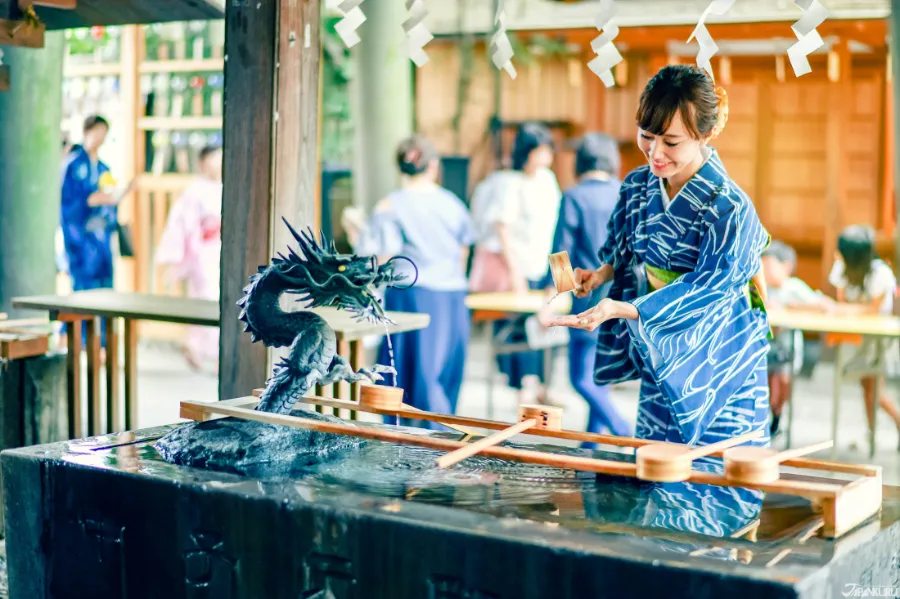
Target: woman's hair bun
{"x":414,"y":154}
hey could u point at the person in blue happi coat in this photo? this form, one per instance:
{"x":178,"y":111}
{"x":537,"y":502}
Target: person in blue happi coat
{"x":581,"y":231}
{"x":430,"y":226}
{"x":87,"y":211}
{"x":685,"y":314}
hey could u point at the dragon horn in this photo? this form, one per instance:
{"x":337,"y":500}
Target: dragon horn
{"x":311,"y":248}
{"x":291,"y":229}
{"x":327,"y":245}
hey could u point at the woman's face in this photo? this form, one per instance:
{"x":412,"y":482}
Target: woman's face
{"x":212,"y":165}
{"x":540,"y":157}
{"x":775,"y":270}
{"x":672,"y":152}
{"x":94,"y":137}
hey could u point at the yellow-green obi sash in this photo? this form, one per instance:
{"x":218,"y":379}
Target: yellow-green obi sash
{"x":657,"y":278}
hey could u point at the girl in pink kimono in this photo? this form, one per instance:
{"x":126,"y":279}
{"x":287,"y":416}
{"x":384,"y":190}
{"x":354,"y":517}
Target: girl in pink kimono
{"x":191,"y":246}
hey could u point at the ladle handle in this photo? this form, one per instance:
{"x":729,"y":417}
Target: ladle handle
{"x":471,"y":449}
{"x":790,"y":454}
{"x":704,"y":450}
{"x":460,"y":429}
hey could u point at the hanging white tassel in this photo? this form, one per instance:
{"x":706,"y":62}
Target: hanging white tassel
{"x":416,"y":33}
{"x":500,"y":48}
{"x":607,"y":54}
{"x":808,"y":39}
{"x":708,"y":47}
{"x":353,"y":18}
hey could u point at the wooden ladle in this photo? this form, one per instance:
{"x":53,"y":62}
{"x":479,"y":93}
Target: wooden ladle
{"x":471,"y":449}
{"x":760,"y":464}
{"x":563,"y":275}
{"x":671,"y":462}
{"x":530,"y":416}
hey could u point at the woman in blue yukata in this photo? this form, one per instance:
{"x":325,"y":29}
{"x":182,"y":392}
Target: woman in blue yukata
{"x":684,"y":313}
{"x":88,"y":214}
{"x":431,"y":227}
{"x":581,"y":231}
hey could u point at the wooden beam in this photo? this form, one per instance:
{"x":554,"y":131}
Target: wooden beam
{"x":870,"y":32}
{"x":270,"y":157}
{"x":21,"y":34}
{"x":4,"y":78}
{"x":88,"y":13}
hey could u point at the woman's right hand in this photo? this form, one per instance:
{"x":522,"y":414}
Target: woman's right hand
{"x":587,"y":281}
{"x":100,"y":198}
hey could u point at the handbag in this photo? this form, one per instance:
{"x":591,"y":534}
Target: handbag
{"x":490,"y":273}
{"x":126,"y":243}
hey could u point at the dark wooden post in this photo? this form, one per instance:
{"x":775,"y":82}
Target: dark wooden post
{"x":273,"y":52}
{"x":30,"y":160}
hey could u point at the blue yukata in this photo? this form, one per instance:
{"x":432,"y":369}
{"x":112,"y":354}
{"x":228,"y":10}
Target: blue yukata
{"x":584,"y":212}
{"x":709,"y":510}
{"x":87,"y":231}
{"x":699,"y":345}
{"x":431,"y":228}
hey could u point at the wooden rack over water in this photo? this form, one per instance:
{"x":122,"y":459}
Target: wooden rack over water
{"x":843,"y":503}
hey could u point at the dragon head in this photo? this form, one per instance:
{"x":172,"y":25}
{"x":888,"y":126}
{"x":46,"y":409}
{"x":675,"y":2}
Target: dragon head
{"x":326,"y":277}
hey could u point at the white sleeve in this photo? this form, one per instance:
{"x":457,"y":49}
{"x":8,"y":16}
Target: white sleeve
{"x":836,"y":277}
{"x":882,"y":281}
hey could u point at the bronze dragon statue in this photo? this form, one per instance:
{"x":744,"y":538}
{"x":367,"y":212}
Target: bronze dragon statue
{"x":321,"y":277}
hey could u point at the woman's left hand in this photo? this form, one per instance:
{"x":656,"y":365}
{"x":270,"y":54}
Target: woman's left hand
{"x":589,"y":320}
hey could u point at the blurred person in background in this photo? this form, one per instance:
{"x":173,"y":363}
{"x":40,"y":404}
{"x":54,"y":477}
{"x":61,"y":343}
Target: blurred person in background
{"x":514,"y":212}
{"x":190,"y":250}
{"x":429,"y":226}
{"x":88,"y":213}
{"x":581,"y":225}
{"x":866,"y":285}
{"x":785,"y":355}
{"x":88,"y":210}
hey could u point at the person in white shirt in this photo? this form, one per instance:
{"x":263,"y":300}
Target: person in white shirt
{"x":868,"y":285}
{"x":514,"y":212}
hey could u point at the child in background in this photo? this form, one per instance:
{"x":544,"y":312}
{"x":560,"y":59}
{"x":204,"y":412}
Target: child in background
{"x":865,"y":285}
{"x":785,"y":291}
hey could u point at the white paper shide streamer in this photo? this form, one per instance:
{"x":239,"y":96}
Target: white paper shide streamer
{"x":500,"y":48}
{"x":353,"y":18}
{"x":607,"y":54}
{"x":708,"y":47}
{"x":808,"y":39}
{"x":417,"y":35}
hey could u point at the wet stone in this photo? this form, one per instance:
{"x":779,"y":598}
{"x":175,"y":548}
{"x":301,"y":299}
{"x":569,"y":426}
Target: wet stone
{"x":252,"y":448}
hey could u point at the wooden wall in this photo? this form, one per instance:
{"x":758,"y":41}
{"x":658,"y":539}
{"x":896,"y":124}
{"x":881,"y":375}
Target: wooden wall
{"x":809,"y":151}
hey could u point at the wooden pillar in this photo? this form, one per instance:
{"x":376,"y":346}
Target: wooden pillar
{"x":895,"y":107}
{"x":30,"y":161}
{"x":840,"y":80}
{"x":270,"y":162}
